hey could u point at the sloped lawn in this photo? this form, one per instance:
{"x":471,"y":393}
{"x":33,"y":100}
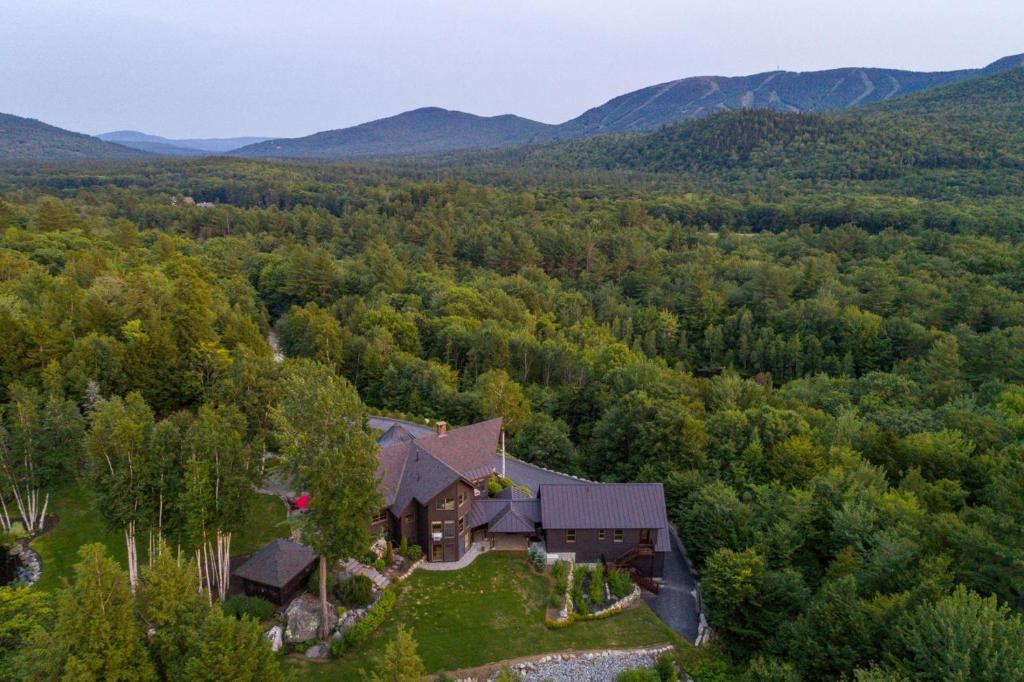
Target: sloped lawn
{"x":489,"y":611}
{"x":81,"y":524}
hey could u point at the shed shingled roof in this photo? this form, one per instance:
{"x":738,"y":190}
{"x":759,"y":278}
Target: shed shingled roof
{"x":276,"y":564}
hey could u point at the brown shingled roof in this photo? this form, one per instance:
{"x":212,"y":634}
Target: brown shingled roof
{"x":277,"y":563}
{"x":419,"y":469}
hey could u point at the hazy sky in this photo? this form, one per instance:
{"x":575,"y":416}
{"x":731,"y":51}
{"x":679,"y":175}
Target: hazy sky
{"x":292,"y":67}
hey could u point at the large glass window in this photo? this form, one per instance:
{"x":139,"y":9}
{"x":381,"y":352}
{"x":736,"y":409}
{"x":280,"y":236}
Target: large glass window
{"x":445,"y":503}
{"x":449,"y":529}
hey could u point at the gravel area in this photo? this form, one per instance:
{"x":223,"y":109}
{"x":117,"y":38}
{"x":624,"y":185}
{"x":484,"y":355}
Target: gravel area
{"x":599,"y":666}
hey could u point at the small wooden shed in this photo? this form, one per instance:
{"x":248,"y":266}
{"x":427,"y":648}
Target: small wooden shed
{"x":277,"y":572}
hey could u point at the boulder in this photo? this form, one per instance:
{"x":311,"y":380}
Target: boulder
{"x":275,"y":635}
{"x":318,"y":651}
{"x":303,"y":616}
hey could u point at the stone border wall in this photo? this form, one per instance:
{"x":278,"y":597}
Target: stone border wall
{"x":408,"y":571}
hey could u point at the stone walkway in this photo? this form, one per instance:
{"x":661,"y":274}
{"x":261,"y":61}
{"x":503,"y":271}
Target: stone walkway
{"x":475,"y":550}
{"x":353,"y":567}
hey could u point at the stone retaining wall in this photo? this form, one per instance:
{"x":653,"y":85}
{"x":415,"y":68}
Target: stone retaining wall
{"x":595,"y":666}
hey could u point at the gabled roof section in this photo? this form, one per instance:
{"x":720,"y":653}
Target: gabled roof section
{"x":505,"y":516}
{"x":512,"y":520}
{"x":396,"y":434}
{"x":423,"y":477}
{"x":468,"y":450}
{"x":603,"y":505}
{"x":277,"y":563}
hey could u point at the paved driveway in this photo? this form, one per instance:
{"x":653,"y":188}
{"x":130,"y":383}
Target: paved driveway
{"x":676,"y":603}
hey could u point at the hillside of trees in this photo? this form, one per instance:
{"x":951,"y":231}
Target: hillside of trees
{"x":835,"y":402}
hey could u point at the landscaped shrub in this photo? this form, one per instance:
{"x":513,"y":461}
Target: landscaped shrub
{"x":555,"y":600}
{"x":508,"y":675}
{"x":313,"y":584}
{"x":379,"y":564}
{"x":505,"y":481}
{"x":403,"y":547}
{"x":372,"y":620}
{"x":666,"y":667}
{"x":389,"y":554}
{"x":538,"y":557}
{"x":597,"y":585}
{"x":257,"y":608}
{"x":337,"y":648}
{"x":413,"y":553}
{"x":619,"y":582}
{"x":356,"y":592}
{"x":638,"y":675}
{"x":493,"y":487}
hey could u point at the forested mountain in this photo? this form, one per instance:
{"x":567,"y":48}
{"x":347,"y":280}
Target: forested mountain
{"x":27,"y":138}
{"x":432,"y":130}
{"x":422,"y":131}
{"x":962,"y":128}
{"x":809,"y":91}
{"x":178,"y":147}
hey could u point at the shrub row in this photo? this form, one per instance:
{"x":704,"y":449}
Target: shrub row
{"x":257,"y":608}
{"x":370,"y":622}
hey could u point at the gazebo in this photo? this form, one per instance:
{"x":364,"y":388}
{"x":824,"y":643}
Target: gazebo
{"x":278,"y":571}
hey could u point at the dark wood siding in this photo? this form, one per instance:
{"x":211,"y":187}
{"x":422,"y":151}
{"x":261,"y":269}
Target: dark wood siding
{"x":285,"y":594}
{"x":452,"y":547}
{"x":589,"y":548}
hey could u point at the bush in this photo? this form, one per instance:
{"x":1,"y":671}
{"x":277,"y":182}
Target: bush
{"x":555,"y":601}
{"x":257,"y":608}
{"x":666,"y":667}
{"x":505,"y":481}
{"x":313,"y":584}
{"x":380,"y":565}
{"x":560,"y":571}
{"x":508,"y":675}
{"x":337,"y":648}
{"x":356,"y":592}
{"x":597,"y":585}
{"x":638,"y":675}
{"x":371,"y":621}
{"x":403,"y":547}
{"x":413,"y":553}
{"x":619,"y":582}
{"x":493,"y":487}
{"x":538,"y":557}
{"x":389,"y":555}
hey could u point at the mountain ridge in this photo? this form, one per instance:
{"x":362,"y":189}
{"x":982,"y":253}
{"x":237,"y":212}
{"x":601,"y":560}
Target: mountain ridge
{"x":643,"y":110}
{"x":26,"y":139}
{"x":166,"y":146}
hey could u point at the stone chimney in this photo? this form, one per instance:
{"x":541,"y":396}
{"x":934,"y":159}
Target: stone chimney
{"x":442,"y":428}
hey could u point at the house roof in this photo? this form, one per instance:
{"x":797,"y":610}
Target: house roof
{"x":505,"y":516}
{"x":512,"y":493}
{"x":277,"y":563}
{"x":396,"y":434}
{"x":422,"y":467}
{"x":603,"y":505}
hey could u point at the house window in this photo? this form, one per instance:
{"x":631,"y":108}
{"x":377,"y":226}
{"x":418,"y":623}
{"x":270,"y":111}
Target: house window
{"x":449,"y":529}
{"x":380,"y":516}
{"x":408,"y":518}
{"x":446,"y":503}
{"x":570,"y":536}
{"x":600,"y":535}
{"x":435,"y":529}
{"x":618,"y":535}
{"x":436,"y":554}
{"x":462,"y":524}
{"x":462,"y":498}
{"x":645,"y":536}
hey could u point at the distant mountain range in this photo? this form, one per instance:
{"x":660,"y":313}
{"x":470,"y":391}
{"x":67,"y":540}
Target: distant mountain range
{"x":163,"y":146}
{"x":433,"y":130}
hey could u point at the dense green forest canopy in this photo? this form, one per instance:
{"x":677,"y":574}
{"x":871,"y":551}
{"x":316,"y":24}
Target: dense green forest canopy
{"x":829,"y":383}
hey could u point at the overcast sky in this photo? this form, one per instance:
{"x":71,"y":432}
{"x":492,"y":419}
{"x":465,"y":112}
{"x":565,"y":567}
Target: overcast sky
{"x":292,"y":67}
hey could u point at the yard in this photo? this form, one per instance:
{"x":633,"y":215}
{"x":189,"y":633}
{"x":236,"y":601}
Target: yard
{"x":489,"y":611}
{"x":81,"y":524}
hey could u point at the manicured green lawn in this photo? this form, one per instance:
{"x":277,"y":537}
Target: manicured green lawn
{"x":81,"y":524}
{"x":489,"y":611}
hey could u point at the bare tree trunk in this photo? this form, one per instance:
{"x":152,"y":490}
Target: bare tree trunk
{"x":323,"y":598}
{"x":222,"y":564}
{"x":5,"y":518}
{"x":133,"y":564}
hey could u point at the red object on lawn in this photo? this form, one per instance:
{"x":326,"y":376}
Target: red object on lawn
{"x":302,"y":502}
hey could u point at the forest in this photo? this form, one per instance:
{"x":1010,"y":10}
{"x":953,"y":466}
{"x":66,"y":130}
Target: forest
{"x":827,"y":377}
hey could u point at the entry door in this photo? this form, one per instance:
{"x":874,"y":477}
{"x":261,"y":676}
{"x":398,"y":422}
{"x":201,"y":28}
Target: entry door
{"x":449,"y":551}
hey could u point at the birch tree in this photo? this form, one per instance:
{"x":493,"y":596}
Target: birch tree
{"x":39,"y":438}
{"x":327,"y":446}
{"x":220,"y":473}
{"x":117,"y":447}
